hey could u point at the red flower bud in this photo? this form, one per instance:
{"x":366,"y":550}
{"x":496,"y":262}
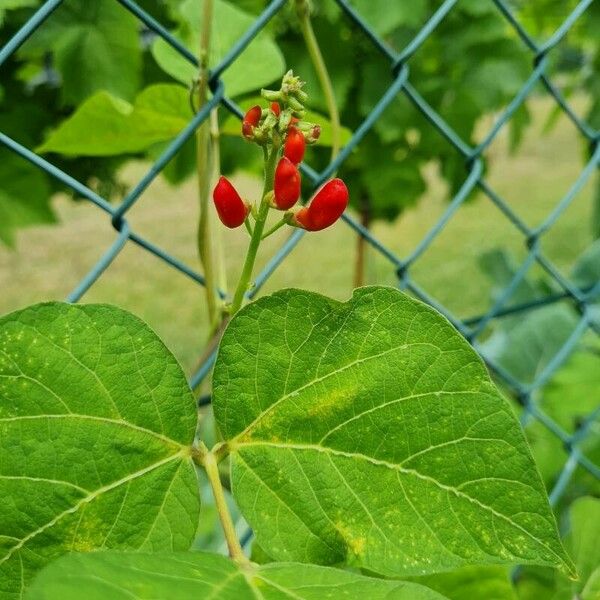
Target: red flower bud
{"x":276,"y":108}
{"x":286,"y":188}
{"x":294,"y":120}
{"x":247,"y":129}
{"x":251,"y":119}
{"x":326,"y":208}
{"x":294,"y":145}
{"x":232,"y":210}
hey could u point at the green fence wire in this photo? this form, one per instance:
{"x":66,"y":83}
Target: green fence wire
{"x":399,"y":64}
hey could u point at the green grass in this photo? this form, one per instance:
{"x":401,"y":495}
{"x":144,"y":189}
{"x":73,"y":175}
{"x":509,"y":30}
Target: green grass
{"x":50,"y":261}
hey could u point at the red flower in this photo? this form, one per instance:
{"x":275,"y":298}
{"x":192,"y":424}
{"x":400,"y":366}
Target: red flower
{"x":294,"y":145}
{"x":232,"y":210}
{"x":286,"y":188}
{"x":326,"y":207}
{"x":251,"y":119}
{"x":276,"y":108}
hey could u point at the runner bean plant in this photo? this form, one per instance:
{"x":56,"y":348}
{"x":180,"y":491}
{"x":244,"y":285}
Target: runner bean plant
{"x":363,"y":441}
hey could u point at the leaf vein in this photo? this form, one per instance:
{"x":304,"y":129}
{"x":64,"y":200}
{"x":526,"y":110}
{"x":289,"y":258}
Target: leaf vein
{"x":92,"y":496}
{"x":413,"y":472}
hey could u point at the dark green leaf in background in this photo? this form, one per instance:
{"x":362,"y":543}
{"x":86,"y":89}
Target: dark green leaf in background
{"x":24,"y":196}
{"x":96,"y":46}
{"x":582,"y":543}
{"x":259,"y":65}
{"x":6,"y":5}
{"x":385,"y":16}
{"x":472,"y":583}
{"x":108,"y":126}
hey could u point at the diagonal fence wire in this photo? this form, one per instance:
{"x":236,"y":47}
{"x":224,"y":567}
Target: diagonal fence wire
{"x":399,"y":64}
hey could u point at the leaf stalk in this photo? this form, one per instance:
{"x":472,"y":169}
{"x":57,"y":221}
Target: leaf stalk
{"x":233,"y":544}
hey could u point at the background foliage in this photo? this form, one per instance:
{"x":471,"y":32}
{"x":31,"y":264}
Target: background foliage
{"x":472,"y":66}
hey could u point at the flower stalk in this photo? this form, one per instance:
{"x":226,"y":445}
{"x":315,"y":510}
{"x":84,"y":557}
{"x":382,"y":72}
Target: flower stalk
{"x":263,"y":211}
{"x":281,"y":132}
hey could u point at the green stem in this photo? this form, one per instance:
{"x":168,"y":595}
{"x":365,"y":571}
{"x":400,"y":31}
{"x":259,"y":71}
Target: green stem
{"x":263,"y":211}
{"x":203,"y":167}
{"x":233,"y":544}
{"x":275,"y":227}
{"x":312,"y":45}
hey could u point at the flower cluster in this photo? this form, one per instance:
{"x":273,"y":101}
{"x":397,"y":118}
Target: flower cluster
{"x":282,"y":131}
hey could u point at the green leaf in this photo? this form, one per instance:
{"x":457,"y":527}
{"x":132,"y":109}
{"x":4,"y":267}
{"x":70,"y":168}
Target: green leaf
{"x":586,"y":271}
{"x":96,"y":419}
{"x":369,"y":432}
{"x":571,"y":395}
{"x":501,"y":267}
{"x":379,"y":177}
{"x":526,"y":346}
{"x":591,"y":591}
{"x":260,"y":64}
{"x":181,"y":166}
{"x":385,"y":16}
{"x":107,"y":126}
{"x":6,"y":5}
{"x":568,"y":399}
{"x":96,"y":45}
{"x":583,"y":541}
{"x":207,"y":576}
{"x":472,"y":583}
{"x":24,"y":196}
{"x":536,"y":583}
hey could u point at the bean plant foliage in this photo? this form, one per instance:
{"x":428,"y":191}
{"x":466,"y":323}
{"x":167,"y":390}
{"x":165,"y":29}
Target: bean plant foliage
{"x":89,"y":70}
{"x":366,"y":434}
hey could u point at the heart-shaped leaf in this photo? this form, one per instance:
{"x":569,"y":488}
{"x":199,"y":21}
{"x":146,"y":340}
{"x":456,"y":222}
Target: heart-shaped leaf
{"x":95,"y":46}
{"x":260,"y":64}
{"x":96,"y":423}
{"x":207,"y":577}
{"x":370,"y":433}
{"x":113,"y":126}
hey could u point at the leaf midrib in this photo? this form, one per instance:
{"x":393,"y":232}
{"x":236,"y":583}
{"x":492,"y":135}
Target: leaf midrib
{"x":120,"y":422}
{"x":398,"y":468}
{"x":92,"y":496}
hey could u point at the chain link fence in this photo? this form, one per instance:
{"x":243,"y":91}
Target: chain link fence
{"x":581,"y":297}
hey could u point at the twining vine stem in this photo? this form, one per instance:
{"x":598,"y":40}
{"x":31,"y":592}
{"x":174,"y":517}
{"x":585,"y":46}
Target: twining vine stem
{"x":312,"y":45}
{"x":203,"y":166}
{"x":207,"y":458}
